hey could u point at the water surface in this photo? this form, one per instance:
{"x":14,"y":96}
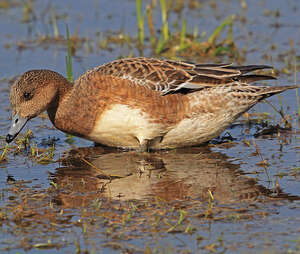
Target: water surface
{"x":213,"y":198}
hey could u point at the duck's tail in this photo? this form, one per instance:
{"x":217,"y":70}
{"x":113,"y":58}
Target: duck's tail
{"x":268,"y":91}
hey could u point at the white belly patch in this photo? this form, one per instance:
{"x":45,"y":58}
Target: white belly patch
{"x":123,"y":126}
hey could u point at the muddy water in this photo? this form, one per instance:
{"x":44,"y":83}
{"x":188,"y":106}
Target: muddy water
{"x":240,"y":196}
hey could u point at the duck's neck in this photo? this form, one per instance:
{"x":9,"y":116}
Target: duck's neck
{"x":64,"y":87}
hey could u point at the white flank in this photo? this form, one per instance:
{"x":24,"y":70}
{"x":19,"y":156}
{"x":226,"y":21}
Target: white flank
{"x":123,"y":126}
{"x":196,"y":130}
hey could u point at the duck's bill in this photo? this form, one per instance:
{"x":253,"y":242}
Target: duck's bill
{"x":17,"y":125}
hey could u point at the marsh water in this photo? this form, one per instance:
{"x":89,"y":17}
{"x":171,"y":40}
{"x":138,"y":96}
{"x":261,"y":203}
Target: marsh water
{"x":238,"y":194}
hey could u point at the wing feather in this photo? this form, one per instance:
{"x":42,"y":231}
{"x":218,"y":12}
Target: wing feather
{"x":166,"y":76}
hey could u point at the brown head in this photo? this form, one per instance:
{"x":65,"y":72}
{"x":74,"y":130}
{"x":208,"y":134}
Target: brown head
{"x":32,"y":93}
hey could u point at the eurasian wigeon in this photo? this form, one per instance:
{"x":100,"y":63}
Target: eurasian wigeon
{"x":141,"y":103}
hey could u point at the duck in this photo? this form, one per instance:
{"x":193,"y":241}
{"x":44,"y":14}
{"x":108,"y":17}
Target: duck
{"x":141,"y":103}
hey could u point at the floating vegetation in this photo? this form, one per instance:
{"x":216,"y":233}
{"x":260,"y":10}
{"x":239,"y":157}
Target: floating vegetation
{"x":47,"y":41}
{"x":43,"y":156}
{"x":23,"y":142}
{"x":73,"y":200}
{"x":3,"y":154}
{"x":159,"y":41}
{"x":24,"y":146}
{"x":5,"y":4}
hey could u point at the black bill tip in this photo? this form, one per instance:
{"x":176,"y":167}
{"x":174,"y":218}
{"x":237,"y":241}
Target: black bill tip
{"x":9,"y":138}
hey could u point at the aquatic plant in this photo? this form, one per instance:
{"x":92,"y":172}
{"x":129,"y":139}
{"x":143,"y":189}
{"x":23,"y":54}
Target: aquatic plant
{"x":140,"y":20}
{"x":69,"y":57}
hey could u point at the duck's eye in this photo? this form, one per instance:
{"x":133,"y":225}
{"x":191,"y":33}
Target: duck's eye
{"x":27,"y":96}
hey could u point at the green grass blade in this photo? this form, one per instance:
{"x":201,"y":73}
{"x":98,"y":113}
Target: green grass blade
{"x":160,"y":45}
{"x":69,"y":58}
{"x":140,"y":20}
{"x":151,"y":27}
{"x":214,"y":36}
{"x":164,"y":14}
{"x":182,"y":44}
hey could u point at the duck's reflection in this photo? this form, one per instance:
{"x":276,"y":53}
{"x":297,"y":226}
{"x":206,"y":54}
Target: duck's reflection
{"x":170,"y":175}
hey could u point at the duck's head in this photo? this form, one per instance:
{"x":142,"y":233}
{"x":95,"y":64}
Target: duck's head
{"x":32,"y":93}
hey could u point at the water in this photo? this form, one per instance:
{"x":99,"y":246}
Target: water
{"x":197,"y":200}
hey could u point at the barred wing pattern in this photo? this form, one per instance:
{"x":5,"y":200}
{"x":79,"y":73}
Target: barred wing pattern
{"x":167,"y":76}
